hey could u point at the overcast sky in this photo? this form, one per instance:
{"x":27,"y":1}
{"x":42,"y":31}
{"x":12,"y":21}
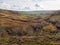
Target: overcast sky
{"x":30,"y":5}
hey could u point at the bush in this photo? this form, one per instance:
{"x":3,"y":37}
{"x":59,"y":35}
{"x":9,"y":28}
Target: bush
{"x":49,"y":28}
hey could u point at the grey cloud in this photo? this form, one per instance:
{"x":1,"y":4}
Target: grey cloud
{"x":26,"y":8}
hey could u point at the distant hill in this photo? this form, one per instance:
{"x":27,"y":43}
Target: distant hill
{"x":38,"y":12}
{"x":30,"y":12}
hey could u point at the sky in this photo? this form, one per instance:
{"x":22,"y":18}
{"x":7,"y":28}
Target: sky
{"x":30,"y":5}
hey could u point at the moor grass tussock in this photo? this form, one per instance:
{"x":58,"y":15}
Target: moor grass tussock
{"x":16,"y":29}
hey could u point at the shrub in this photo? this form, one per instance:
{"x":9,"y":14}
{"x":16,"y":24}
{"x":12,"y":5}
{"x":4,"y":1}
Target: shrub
{"x":49,"y":28}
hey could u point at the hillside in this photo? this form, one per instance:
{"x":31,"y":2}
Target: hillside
{"x":17,"y":29}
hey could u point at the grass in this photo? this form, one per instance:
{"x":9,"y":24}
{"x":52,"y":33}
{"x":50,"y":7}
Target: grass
{"x":5,"y":40}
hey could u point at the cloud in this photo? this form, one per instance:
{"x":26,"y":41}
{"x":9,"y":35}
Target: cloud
{"x":26,"y":8}
{"x":51,"y":5}
{"x":23,"y":5}
{"x":4,"y":6}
